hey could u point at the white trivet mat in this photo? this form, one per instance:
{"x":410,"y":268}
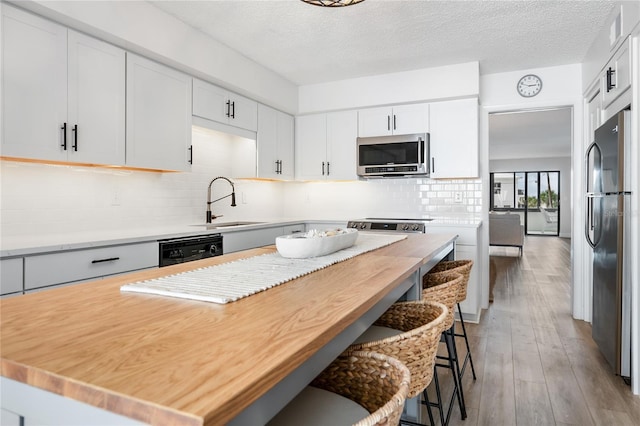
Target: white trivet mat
{"x":231,"y":281}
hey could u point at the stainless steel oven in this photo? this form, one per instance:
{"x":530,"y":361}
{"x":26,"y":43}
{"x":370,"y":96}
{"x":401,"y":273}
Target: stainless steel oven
{"x":180,"y":250}
{"x":379,"y":224}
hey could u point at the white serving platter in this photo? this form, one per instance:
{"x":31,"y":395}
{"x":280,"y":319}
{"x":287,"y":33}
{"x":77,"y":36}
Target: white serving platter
{"x":315,"y":243}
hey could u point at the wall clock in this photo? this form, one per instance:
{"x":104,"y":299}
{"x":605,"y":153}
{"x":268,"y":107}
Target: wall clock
{"x":529,"y":85}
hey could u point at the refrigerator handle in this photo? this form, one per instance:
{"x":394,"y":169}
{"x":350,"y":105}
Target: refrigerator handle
{"x":588,"y":211}
{"x":588,"y":222}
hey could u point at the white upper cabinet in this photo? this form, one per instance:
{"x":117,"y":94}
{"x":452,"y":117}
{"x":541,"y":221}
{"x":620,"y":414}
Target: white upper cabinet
{"x":616,"y":78}
{"x":275,"y":144}
{"x":96,"y":104}
{"x":158,"y":116}
{"x":397,"y":120}
{"x":63,"y":93}
{"x":217,"y":104}
{"x":34,"y":86}
{"x":326,"y":146}
{"x":454,"y":139}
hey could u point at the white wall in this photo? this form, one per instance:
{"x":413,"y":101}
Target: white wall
{"x":142,"y":28}
{"x":452,"y":81}
{"x":562,"y":86}
{"x":561,"y":164}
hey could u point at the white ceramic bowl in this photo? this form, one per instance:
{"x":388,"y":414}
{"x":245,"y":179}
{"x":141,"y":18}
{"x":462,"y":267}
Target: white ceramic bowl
{"x":314,"y":243}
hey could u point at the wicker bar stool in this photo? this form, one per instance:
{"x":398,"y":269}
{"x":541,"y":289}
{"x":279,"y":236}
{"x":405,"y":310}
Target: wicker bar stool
{"x":462,"y":267}
{"x":410,"y":332}
{"x":360,"y":388}
{"x":444,"y":288}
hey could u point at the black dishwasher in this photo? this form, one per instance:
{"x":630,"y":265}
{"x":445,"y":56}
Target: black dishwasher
{"x":180,"y":250}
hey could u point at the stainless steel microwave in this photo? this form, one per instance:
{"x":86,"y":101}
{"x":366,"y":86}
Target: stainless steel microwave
{"x":393,"y":156}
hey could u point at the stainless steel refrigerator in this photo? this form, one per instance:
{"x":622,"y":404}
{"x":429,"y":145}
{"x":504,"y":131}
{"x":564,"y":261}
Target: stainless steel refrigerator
{"x":607,"y":231}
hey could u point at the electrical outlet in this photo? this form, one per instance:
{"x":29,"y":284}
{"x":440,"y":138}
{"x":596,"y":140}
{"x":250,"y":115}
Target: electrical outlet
{"x":457,"y":197}
{"x":115,"y":199}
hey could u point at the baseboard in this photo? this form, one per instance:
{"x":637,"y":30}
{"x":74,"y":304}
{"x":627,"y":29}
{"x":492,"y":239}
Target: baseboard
{"x":565,"y":235}
{"x":469,"y":317}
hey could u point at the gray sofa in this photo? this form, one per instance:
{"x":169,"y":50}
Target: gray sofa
{"x":505,"y":230}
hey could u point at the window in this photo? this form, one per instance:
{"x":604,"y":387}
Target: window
{"x":536,"y":195}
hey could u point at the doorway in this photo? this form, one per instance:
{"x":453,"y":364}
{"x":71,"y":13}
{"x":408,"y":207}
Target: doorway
{"x":532,"y":195}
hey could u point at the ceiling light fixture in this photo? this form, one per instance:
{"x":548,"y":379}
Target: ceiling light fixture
{"x":332,"y":3}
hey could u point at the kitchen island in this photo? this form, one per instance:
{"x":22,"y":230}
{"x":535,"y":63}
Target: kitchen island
{"x":163,"y":360}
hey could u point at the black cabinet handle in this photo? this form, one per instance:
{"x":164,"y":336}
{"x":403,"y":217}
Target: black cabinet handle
{"x":233,"y":109}
{"x":610,"y":83}
{"x":388,"y":122}
{"x":433,"y":165}
{"x":64,"y":136}
{"x":328,"y":170}
{"x":228,"y":104}
{"x":277,"y":166}
{"x":191,"y":154}
{"x":323,"y":168}
{"x":75,"y":137}
{"x":110,"y":259}
{"x":394,"y":121}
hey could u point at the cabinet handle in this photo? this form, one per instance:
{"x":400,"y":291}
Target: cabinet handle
{"x":75,"y":137}
{"x":394,"y":121}
{"x":280,"y":169}
{"x":277,"y":166}
{"x":323,"y":168}
{"x":433,"y":165}
{"x":328,"y":170}
{"x":110,"y":259}
{"x":388,"y":122}
{"x":610,"y":83}
{"x":228,"y":104}
{"x":64,"y":136}
{"x":191,"y":154}
{"x":233,"y":109}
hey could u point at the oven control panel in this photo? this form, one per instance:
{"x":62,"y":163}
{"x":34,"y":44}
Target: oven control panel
{"x":390,"y":226}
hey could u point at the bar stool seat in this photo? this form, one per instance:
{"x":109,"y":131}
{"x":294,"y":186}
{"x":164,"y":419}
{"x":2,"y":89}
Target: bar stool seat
{"x":463,"y":267}
{"x":360,"y":388}
{"x":444,"y":288}
{"x":410,"y":332}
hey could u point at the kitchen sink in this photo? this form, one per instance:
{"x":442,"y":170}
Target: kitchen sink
{"x":227,"y":224}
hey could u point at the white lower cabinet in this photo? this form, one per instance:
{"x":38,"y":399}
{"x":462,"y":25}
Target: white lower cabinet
{"x":9,"y":418}
{"x":323,"y":226}
{"x":72,"y":266}
{"x":467,"y":248}
{"x":11,"y":276}
{"x":244,"y":240}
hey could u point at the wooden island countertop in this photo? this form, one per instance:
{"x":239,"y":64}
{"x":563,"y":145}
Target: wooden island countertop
{"x":164,"y":360}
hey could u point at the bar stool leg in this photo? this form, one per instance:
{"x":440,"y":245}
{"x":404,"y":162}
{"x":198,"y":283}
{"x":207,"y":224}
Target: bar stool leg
{"x":468,"y":357}
{"x":432,"y":422}
{"x":455,"y":368}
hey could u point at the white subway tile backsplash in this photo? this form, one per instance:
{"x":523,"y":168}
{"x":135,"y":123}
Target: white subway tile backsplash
{"x":38,"y":198}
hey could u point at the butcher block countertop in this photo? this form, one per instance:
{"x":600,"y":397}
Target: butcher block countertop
{"x":164,"y":360}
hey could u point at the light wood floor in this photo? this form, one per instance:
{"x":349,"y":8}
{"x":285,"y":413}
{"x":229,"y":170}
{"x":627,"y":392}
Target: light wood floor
{"x":535,"y":364}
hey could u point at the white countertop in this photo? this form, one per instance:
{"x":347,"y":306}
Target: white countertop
{"x":23,"y":245}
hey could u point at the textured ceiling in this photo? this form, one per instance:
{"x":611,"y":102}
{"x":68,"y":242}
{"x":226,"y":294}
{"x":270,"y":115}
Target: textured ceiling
{"x":530,"y":134}
{"x":308,"y":44}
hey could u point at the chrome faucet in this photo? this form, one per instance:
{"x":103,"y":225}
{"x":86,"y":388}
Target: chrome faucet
{"x":209,"y":202}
